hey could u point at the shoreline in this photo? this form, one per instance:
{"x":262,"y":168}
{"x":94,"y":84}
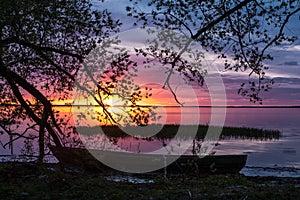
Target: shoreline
{"x":32,"y":181}
{"x":247,"y":171}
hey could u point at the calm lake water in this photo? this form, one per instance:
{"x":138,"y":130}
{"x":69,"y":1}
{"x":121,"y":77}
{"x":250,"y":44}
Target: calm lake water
{"x":282,"y":154}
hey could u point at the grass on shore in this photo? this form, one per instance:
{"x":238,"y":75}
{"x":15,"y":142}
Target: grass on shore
{"x":30,"y":181}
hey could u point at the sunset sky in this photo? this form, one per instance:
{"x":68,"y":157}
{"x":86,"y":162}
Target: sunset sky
{"x":284,"y":69}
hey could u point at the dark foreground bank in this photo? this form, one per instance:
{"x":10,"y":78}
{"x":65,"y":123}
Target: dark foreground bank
{"x":30,"y":181}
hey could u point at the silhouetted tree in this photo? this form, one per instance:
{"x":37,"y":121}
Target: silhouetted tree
{"x":42,"y":44}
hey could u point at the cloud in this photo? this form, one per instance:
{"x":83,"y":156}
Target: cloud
{"x":292,"y":63}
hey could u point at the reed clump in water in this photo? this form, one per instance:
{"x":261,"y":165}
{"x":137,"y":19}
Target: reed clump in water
{"x":186,"y":131}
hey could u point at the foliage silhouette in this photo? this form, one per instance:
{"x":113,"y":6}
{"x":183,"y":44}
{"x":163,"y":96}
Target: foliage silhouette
{"x":239,"y":32}
{"x":43,"y":45}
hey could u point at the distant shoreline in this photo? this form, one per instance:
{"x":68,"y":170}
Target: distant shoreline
{"x":166,"y":106}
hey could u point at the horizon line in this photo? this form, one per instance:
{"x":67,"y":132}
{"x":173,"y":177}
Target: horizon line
{"x":176,"y":106}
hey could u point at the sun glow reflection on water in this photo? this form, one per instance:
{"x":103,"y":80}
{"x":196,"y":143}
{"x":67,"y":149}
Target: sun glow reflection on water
{"x":283,"y":152}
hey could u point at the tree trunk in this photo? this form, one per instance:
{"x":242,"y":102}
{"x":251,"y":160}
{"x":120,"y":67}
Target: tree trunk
{"x":42,"y":137}
{"x":13,"y":79}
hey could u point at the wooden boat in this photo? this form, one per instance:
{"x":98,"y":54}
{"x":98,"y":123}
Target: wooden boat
{"x":89,"y":160}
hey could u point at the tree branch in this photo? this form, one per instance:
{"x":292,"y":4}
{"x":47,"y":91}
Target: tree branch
{"x":221,"y":18}
{"x":12,"y":78}
{"x":20,"y":135}
{"x":275,"y":38}
{"x":44,"y":48}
